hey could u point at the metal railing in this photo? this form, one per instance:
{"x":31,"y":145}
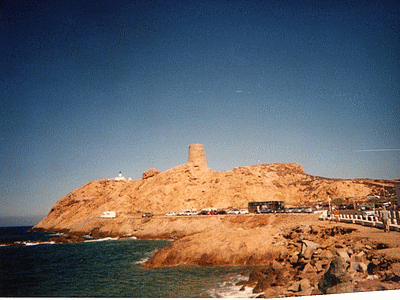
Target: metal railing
{"x":372,"y":220}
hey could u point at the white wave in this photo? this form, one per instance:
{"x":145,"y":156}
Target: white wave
{"x":56,"y":234}
{"x":229,"y":289}
{"x":102,"y":240}
{"x":146,"y":257}
{"x":37,"y":243}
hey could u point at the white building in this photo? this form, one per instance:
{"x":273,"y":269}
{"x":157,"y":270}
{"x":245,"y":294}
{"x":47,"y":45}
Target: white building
{"x":120,"y":177}
{"x":108,"y":214}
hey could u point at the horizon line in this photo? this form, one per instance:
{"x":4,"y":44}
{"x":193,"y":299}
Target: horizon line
{"x":377,"y":150}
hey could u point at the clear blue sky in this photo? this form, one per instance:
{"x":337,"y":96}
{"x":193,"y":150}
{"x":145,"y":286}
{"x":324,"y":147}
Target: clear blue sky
{"x":91,"y":88}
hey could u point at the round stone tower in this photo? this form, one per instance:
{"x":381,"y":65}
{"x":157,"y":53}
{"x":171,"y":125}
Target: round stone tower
{"x":197,"y":157}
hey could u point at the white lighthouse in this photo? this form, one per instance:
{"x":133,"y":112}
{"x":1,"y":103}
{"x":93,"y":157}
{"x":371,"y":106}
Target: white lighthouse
{"x":120,"y":177}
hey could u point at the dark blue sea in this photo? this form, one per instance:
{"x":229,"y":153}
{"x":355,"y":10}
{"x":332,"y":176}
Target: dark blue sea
{"x":103,"y":268}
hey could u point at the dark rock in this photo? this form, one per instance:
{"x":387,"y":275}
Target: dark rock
{"x":67,"y":239}
{"x":276,"y":266}
{"x":390,"y":276}
{"x":382,"y":246}
{"x":256,"y":276}
{"x":336,"y":274}
{"x":262,"y":285}
{"x":343,"y":287}
{"x":378,"y":265}
{"x":260,"y":296}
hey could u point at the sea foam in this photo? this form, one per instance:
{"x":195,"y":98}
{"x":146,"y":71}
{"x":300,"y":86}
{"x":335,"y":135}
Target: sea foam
{"x":229,"y":289}
{"x":102,"y":240}
{"x":146,"y":257}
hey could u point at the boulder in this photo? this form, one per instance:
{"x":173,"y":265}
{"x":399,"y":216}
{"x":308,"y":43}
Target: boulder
{"x":343,"y":253}
{"x":262,"y":285}
{"x":359,"y":267}
{"x":150,"y":173}
{"x":304,"y":284}
{"x":326,"y":254}
{"x":358,"y":246}
{"x":335,"y":274}
{"x":359,"y":257}
{"x":308,"y":268}
{"x":396,"y":269}
{"x":276,"y":266}
{"x":256,"y":276}
{"x":307,"y":248}
{"x":321,"y":265}
{"x":294,"y":287}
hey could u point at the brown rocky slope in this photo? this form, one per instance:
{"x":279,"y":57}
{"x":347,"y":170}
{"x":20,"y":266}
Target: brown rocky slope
{"x":193,"y":185}
{"x":296,"y":254}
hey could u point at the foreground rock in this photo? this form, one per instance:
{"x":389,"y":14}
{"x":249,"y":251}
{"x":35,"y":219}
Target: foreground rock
{"x":341,"y":259}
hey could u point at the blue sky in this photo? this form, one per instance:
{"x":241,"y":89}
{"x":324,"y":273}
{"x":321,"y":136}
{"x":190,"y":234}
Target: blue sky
{"x":91,"y":88}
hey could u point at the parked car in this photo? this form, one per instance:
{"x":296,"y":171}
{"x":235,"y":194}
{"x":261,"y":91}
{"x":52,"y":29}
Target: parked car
{"x":265,"y":211}
{"x":170,"y":214}
{"x":345,"y":206}
{"x":289,"y":209}
{"x":363,"y":207}
{"x":234,"y":211}
{"x":208,"y":211}
{"x":185,"y":212}
{"x":188,"y":212}
{"x":369,"y":213}
{"x":243,"y":211}
{"x":308,"y":210}
{"x":147,"y":215}
{"x":221,"y":212}
{"x":298,"y":209}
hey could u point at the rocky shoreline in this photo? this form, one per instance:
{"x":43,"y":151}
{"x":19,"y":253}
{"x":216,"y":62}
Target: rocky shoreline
{"x":65,"y":239}
{"x":291,"y":255}
{"x":342,"y":265}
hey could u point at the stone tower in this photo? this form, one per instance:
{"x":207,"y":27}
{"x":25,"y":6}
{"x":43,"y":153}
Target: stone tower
{"x":197,"y":157}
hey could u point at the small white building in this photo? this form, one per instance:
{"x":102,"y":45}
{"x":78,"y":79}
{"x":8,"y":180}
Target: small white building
{"x":108,"y":214}
{"x":120,"y":177}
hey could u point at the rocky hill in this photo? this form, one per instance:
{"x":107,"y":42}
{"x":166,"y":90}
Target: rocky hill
{"x":194,"y":185}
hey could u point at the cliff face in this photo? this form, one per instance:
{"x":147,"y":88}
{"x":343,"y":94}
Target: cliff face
{"x":193,"y":185}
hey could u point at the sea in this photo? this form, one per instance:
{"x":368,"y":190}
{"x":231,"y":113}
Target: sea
{"x":105,"y":268}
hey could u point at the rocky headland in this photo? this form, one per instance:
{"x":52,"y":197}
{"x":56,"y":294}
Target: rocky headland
{"x":298,"y":254}
{"x":194,"y":185}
